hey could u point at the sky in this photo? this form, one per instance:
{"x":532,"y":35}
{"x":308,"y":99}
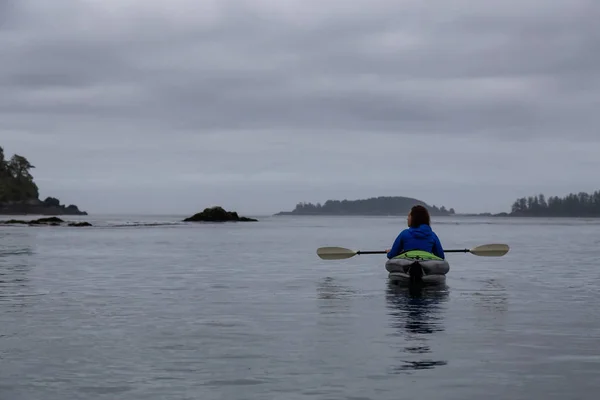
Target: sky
{"x":146,"y":106}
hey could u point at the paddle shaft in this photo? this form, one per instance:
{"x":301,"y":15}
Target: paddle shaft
{"x":385,"y":252}
{"x":340,"y":253}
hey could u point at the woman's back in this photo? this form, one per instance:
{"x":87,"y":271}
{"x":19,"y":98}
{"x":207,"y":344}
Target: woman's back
{"x":418,"y":236}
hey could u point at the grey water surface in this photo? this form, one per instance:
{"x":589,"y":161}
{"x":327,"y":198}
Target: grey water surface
{"x":150,"y":308}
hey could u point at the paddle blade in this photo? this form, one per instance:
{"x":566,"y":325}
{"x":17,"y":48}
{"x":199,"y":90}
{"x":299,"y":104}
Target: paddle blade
{"x":490,"y":250}
{"x":335,"y":253}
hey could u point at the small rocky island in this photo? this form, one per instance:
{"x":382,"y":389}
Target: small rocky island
{"x":218,"y":214}
{"x":19,"y":195}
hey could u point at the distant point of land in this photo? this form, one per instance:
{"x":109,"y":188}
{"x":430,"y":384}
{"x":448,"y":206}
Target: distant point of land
{"x":374,"y":206}
{"x":218,"y":214}
{"x":19,"y":194}
{"x":580,"y":205}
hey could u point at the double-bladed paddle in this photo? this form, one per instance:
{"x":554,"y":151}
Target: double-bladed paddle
{"x":340,"y":253}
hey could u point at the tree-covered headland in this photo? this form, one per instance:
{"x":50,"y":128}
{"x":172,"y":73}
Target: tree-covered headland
{"x":19,"y":193}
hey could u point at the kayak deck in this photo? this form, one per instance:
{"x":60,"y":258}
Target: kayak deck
{"x":417,"y":266}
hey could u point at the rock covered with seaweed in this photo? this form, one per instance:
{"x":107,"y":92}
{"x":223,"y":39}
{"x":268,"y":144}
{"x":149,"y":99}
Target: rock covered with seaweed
{"x":218,"y":214}
{"x":51,"y":221}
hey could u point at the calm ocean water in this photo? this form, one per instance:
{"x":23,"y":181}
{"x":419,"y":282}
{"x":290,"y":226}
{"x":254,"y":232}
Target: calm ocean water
{"x":138,"y":309}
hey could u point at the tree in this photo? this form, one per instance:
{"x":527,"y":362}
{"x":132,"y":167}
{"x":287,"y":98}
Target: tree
{"x":16,"y":182}
{"x":3,"y":164}
{"x":543,"y":203}
{"x":19,"y":167}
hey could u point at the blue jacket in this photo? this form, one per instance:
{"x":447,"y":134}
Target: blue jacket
{"x":421,"y":238}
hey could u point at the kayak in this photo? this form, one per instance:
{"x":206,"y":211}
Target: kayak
{"x":417,"y":266}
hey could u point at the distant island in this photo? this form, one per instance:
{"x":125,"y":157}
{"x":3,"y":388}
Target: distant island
{"x":19,"y":194}
{"x":374,"y":206}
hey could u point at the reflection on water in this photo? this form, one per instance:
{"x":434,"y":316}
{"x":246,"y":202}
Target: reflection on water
{"x":416,"y":313}
{"x":492,"y":297}
{"x":14,"y":269}
{"x":14,"y":244}
{"x":328,"y":289}
{"x":333,"y":296}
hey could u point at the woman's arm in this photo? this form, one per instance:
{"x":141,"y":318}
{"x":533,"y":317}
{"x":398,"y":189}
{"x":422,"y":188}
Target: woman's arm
{"x":438,"y":250}
{"x":396,"y":247}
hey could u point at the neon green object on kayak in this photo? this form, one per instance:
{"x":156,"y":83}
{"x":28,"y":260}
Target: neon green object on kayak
{"x":418,"y":255}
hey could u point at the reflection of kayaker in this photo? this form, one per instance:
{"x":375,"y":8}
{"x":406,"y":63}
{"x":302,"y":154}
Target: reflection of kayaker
{"x":417,"y":314}
{"x":418,"y":236}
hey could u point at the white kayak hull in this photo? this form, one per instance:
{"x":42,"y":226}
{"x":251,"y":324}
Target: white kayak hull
{"x":418,"y":267}
{"x":401,"y":277}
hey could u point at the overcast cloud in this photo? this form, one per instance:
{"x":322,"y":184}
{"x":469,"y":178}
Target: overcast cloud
{"x":168,"y":107}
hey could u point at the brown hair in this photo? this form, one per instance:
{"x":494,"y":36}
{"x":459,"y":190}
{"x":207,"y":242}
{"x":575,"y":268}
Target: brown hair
{"x":419,"y":216}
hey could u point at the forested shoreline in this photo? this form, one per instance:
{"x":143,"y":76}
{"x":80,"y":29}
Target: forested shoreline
{"x":581,"y":204}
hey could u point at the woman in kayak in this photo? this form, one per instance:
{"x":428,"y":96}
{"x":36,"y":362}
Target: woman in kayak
{"x":418,"y":236}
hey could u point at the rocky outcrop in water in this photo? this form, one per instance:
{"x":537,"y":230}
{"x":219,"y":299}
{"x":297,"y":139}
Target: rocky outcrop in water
{"x":80,"y":224}
{"x":52,"y":221}
{"x":218,"y":214}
